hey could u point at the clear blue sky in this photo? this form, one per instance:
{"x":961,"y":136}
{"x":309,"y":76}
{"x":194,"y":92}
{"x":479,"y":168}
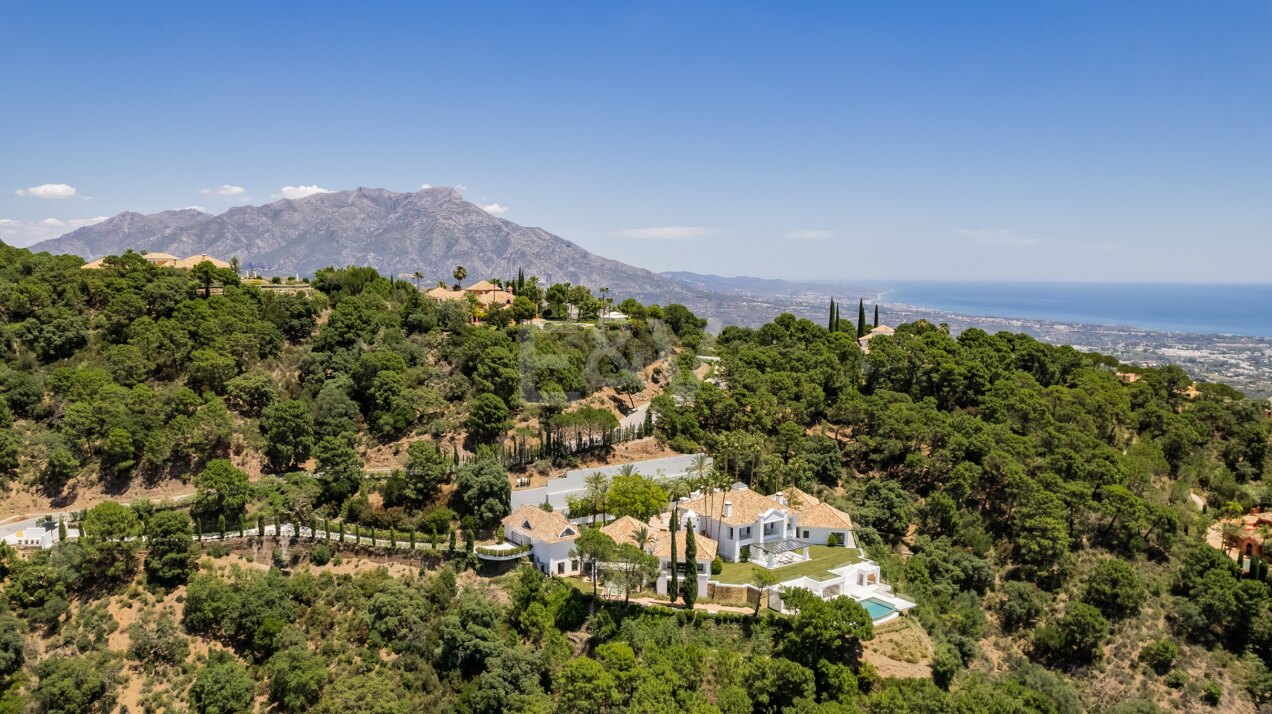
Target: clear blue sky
{"x":867,"y":141}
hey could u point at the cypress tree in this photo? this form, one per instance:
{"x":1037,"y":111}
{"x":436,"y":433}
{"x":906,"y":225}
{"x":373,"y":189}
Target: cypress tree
{"x":673,"y":526}
{"x":861,"y":317}
{"x":830,"y":323}
{"x":260,"y":528}
{"x":220,"y":524}
{"x":691,"y":566}
{"x":836,"y":317}
{"x":61,"y":529}
{"x":451,"y":546}
{"x":341,"y":533}
{"x":876,"y":322}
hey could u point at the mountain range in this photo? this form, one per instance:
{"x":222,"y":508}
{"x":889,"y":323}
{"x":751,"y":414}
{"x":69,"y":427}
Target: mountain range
{"x":430,"y":232}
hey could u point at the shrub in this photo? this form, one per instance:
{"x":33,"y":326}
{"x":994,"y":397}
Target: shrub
{"x":320,"y":554}
{"x":1160,"y":655}
{"x":1211,"y":693}
{"x":833,"y":540}
{"x":1177,"y":679}
{"x":218,"y":550}
{"x":717,"y":566}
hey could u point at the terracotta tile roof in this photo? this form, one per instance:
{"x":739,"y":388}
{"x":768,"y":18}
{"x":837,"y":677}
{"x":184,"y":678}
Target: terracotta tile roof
{"x":481,"y":287}
{"x":441,"y":293}
{"x":798,"y":499}
{"x":544,"y":526}
{"x":823,"y":515}
{"x":94,"y":265}
{"x":624,"y":530}
{"x":196,"y":259}
{"x":747,"y":505}
{"x":661,"y":546}
{"x":495,"y":297}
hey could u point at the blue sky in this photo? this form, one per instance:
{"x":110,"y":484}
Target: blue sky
{"x":852,"y":141}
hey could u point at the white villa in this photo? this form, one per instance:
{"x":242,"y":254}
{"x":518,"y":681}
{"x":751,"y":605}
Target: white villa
{"x":776,"y":530}
{"x":549,"y":535}
{"x":39,"y":536}
{"x":737,"y":525}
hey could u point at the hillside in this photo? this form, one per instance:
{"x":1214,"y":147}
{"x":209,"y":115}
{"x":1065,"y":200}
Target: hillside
{"x":430,"y":231}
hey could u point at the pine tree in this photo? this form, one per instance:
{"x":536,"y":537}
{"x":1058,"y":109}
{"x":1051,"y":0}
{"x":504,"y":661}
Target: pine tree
{"x":876,"y":322}
{"x":861,"y":318}
{"x":691,"y":568}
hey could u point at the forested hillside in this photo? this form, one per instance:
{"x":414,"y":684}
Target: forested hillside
{"x":1033,"y":500}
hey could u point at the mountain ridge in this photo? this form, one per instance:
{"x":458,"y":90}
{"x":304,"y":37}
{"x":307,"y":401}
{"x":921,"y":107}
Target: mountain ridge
{"x":430,"y":231}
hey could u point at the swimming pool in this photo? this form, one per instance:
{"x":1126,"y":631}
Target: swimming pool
{"x":877,"y":609}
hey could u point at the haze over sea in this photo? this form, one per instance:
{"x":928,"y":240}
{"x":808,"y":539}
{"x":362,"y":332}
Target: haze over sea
{"x":1238,"y":309}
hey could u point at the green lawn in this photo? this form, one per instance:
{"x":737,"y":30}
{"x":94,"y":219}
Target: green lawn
{"x":821,"y":559}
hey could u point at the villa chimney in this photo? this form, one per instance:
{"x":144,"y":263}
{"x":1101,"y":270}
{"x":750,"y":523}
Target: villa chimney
{"x":728,"y":509}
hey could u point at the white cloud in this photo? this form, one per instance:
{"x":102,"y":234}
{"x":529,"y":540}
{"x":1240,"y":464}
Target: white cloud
{"x":224,"y":190}
{"x":996,"y":237}
{"x":295,"y":192}
{"x":807,"y":235}
{"x":460,"y":187}
{"x":200,"y":209}
{"x":668,"y":232}
{"x":425,"y":186}
{"x":495,"y":209}
{"x":23,"y":233}
{"x":48,"y":190}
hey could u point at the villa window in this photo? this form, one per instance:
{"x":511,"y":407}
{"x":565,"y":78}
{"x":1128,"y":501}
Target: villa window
{"x":730,"y":532}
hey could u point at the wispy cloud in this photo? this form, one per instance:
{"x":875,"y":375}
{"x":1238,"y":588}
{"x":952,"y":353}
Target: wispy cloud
{"x":807,"y":235}
{"x":295,"y":192}
{"x":224,"y":190}
{"x":24,"y":233}
{"x":495,"y":209}
{"x":668,"y":232}
{"x":48,"y":190}
{"x":986,"y":236}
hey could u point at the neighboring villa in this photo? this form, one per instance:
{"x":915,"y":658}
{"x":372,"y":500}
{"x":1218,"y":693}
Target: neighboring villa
{"x":738,"y":525}
{"x":880,"y":331}
{"x":1249,"y":535}
{"x":166,"y":260}
{"x":549,"y":535}
{"x":42,"y":536}
{"x":769,"y":530}
{"x":486,"y":293}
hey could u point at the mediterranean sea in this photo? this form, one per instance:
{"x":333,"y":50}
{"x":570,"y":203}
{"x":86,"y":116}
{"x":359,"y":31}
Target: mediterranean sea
{"x":1238,"y":309}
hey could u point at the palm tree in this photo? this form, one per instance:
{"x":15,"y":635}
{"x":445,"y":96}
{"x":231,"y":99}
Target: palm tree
{"x":628,"y":470}
{"x":596,"y":484}
{"x":699,"y":467}
{"x":721,"y":480}
{"x":418,"y":276}
{"x":642,"y":537}
{"x":459,"y":273}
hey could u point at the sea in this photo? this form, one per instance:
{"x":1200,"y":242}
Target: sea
{"x":1233,"y":308}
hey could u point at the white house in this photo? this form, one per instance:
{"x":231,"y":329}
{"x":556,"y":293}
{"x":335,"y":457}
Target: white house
{"x":40,"y":536}
{"x":658,"y":541}
{"x":742,"y":520}
{"x":860,"y":581}
{"x":818,"y":521}
{"x":549,"y":535}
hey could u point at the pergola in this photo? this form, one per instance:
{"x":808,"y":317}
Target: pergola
{"x":769,"y":554}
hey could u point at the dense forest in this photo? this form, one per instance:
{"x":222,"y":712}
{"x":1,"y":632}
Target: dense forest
{"x":1034,"y":500}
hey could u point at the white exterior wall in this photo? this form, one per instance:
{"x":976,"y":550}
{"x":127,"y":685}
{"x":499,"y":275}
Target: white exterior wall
{"x":548,"y":556}
{"x":819,"y":536}
{"x":784,"y":526}
{"x":664,"y":575}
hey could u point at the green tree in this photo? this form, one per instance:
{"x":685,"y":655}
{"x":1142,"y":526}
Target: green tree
{"x":221,"y":490}
{"x":635,"y":496}
{"x":1074,"y":638}
{"x":338,"y":468}
{"x":155,"y":640}
{"x":288,"y":429}
{"x":629,"y":384}
{"x":861,"y":318}
{"x":171,"y":551}
{"x":691,"y":568}
{"x":1115,"y":589}
{"x":427,"y":468}
{"x":297,"y":677}
{"x":222,"y":686}
{"x":483,"y":492}
{"x":593,"y":548}
{"x":210,"y":370}
{"x":488,"y":419}
{"x":110,"y":532}
{"x":585,"y":687}
{"x":764,"y":579}
{"x":76,"y":685}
